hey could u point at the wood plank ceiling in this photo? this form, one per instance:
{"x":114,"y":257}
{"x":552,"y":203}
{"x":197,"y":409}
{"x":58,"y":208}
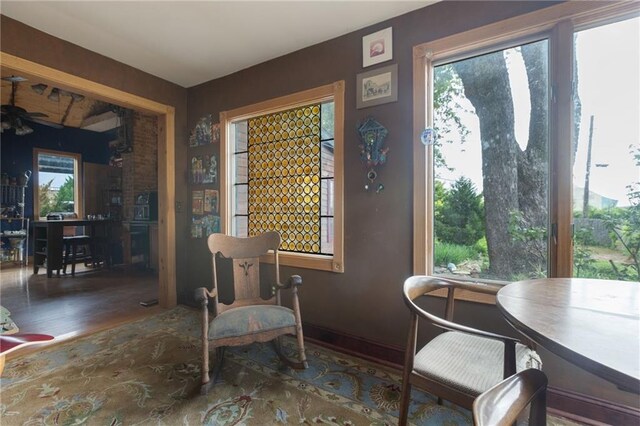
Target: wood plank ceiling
{"x":62,"y":107}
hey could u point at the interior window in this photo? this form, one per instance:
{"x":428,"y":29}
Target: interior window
{"x":58,"y":183}
{"x":284,"y":172}
{"x":606,"y":164}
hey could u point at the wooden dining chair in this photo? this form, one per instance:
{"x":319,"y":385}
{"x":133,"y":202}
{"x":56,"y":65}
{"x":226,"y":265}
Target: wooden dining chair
{"x":254,"y":313}
{"x":462,"y":362}
{"x":504,"y":403}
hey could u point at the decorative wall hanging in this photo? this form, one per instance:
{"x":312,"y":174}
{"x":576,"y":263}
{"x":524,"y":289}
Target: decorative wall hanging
{"x":203,"y":226}
{"x":202,"y":133}
{"x":372,"y":153}
{"x":377,"y":47}
{"x":204,"y":169}
{"x":377,"y":86}
{"x":428,"y":136}
{"x":215,"y":133}
{"x":197,"y":202}
{"x":210,"y":201}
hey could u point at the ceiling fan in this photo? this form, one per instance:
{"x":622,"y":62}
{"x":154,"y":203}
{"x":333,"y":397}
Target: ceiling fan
{"x":14,"y":117}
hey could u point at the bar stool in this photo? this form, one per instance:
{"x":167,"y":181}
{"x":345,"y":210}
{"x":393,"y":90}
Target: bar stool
{"x":72,"y":254}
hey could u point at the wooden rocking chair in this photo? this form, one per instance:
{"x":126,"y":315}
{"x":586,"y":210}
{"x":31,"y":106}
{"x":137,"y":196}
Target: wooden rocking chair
{"x":249,"y":318}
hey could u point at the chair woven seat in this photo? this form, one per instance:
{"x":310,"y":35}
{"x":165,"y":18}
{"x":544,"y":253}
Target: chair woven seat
{"x":468,"y":363}
{"x":463,"y":362}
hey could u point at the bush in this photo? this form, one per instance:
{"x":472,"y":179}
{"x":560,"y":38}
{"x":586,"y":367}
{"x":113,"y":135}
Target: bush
{"x":481,"y":246}
{"x":446,"y":253}
{"x":459,"y":216}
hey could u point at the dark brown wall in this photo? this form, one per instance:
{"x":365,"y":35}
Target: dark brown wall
{"x":366,"y":300}
{"x":26,"y":42}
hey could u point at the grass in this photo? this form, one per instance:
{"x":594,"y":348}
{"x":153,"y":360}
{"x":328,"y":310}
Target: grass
{"x":453,"y":253}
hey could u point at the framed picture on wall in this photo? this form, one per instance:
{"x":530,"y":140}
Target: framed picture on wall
{"x":197,"y":202}
{"x":201,"y":134}
{"x":377,"y":47}
{"x":210,"y":201}
{"x":377,"y":86}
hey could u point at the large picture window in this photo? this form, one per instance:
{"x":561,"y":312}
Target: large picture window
{"x":517,"y":163}
{"x":284,"y":162}
{"x":57,"y":183}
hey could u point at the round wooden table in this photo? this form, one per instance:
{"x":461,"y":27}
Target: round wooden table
{"x":594,"y":324}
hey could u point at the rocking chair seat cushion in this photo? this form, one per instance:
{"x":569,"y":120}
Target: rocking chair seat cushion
{"x":248,"y":320}
{"x":469,"y":363}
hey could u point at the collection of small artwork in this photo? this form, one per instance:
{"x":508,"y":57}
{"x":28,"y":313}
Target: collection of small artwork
{"x":204,"y":169}
{"x":203,"y":226}
{"x":205,"y":218}
{"x":205,"y":209}
{"x":206,"y":132}
{"x":378,"y":86}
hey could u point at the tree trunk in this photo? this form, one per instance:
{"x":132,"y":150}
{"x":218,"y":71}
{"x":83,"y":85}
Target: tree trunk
{"x":486,"y":85}
{"x":533,"y":162}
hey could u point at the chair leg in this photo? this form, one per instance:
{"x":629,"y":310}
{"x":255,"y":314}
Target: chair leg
{"x":209,"y":380}
{"x":277,"y":346}
{"x":66,"y":258}
{"x":74,"y":250}
{"x":301,"y":353}
{"x":404,"y":402}
{"x":219,"y":362}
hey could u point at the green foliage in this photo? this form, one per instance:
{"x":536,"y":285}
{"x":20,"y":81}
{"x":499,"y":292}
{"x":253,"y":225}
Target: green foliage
{"x":460,"y":218}
{"x":64,"y":197}
{"x":45,"y":198}
{"x":532,"y":240}
{"x":623,"y":224}
{"x":446,"y":253}
{"x":447,"y":91}
{"x":481,"y":246}
{"x":626,"y":228}
{"x":61,"y":201}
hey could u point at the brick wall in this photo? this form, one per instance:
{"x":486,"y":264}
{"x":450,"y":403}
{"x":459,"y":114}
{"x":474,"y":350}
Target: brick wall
{"x":140,"y":167}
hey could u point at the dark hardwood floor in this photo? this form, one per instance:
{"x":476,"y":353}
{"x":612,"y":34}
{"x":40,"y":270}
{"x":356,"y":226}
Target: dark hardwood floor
{"x":68,"y":307}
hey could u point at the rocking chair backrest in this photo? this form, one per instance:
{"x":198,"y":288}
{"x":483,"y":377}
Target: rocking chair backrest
{"x":245,"y":254}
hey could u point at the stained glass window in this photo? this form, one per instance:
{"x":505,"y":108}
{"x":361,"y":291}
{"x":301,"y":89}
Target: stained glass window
{"x":284,"y":177}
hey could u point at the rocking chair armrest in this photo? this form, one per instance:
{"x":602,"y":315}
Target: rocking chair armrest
{"x":293,"y":281}
{"x":201,"y":294}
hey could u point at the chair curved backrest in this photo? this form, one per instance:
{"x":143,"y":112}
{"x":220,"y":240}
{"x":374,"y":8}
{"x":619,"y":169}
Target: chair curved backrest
{"x":503,"y":403}
{"x":463,"y":362}
{"x":252,"y":316}
{"x":244,"y":254}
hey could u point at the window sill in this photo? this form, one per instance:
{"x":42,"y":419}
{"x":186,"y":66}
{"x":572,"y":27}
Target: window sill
{"x":307,"y":261}
{"x":470,"y":296}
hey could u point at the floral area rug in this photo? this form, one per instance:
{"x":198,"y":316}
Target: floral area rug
{"x":148,"y":372}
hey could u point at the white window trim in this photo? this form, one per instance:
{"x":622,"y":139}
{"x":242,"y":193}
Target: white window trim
{"x":78,"y":205}
{"x":335,"y":92}
{"x":558,"y":22}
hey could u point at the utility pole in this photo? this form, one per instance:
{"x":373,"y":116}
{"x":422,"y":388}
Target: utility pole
{"x":585,"y":198}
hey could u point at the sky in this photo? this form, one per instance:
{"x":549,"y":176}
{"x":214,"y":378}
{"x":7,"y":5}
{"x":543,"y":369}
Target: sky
{"x":609,"y":88}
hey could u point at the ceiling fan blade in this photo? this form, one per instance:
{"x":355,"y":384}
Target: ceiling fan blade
{"x":35,"y":115}
{"x":44,"y":123}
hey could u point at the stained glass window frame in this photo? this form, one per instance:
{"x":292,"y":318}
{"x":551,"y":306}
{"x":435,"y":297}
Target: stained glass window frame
{"x":333,"y":192}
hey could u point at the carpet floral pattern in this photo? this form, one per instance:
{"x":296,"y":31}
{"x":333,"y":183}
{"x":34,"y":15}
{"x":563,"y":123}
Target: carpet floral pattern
{"x":148,"y":372}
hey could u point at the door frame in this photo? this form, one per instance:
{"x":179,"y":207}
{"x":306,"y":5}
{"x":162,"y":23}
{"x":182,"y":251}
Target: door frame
{"x":167,"y":295}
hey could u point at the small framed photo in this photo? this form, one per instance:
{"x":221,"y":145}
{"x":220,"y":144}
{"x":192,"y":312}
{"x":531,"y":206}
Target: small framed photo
{"x":377,"y":47}
{"x":377,"y":86}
